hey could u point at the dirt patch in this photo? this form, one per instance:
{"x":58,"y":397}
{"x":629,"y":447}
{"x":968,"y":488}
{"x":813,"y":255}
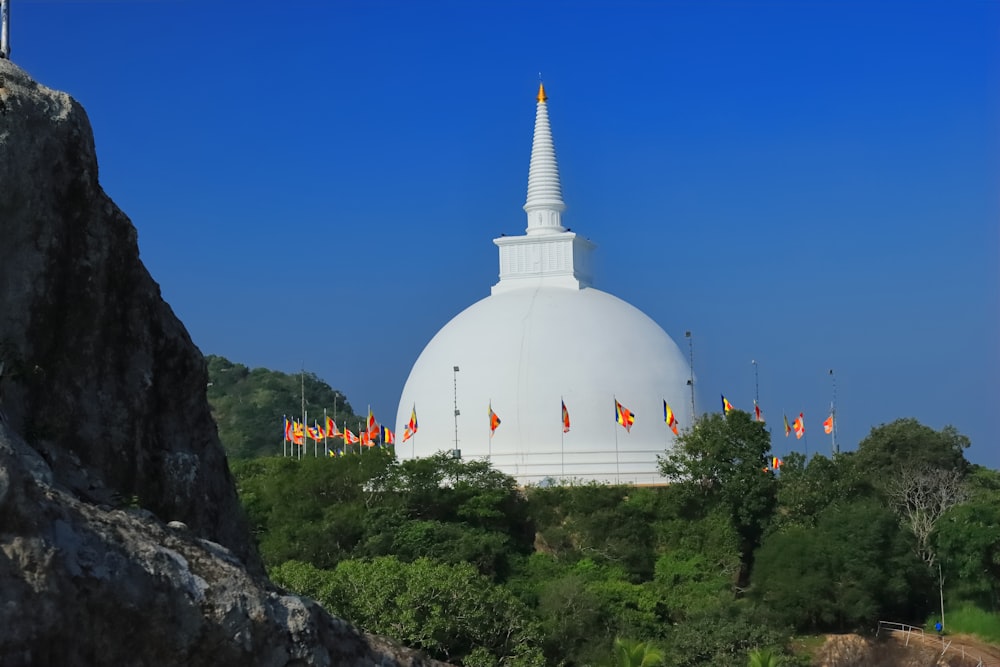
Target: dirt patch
{"x":898,"y":650}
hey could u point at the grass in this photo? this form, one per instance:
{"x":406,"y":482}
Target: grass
{"x":970,"y":620}
{"x":806,"y":646}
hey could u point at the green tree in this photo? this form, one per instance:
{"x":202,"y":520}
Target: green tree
{"x":805,"y":489}
{"x":605,"y":524}
{"x":449,"y":510}
{"x":720,"y":637}
{"x":312,"y":509}
{"x":699,"y":564}
{"x":572,"y":620}
{"x":450,"y":611}
{"x":248,"y":405}
{"x":906,"y":443}
{"x":968,"y":542}
{"x":855,"y":566}
{"x":722,"y":461}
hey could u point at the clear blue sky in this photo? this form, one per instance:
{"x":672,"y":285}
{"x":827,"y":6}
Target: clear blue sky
{"x":813,"y":185}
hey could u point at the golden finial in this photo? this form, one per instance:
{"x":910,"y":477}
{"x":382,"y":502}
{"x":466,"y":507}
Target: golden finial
{"x":541,"y":92}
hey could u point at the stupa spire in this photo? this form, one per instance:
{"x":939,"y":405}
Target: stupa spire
{"x":544,"y":205}
{"x":548,"y":255}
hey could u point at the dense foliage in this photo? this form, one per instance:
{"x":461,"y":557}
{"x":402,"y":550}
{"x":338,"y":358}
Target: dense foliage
{"x":248,"y":405}
{"x":718,"y":567}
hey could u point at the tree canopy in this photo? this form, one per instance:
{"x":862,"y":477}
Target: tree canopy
{"x":716,"y":568}
{"x":248,"y":405}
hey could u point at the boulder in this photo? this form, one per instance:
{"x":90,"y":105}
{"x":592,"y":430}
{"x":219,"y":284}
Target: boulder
{"x":122,"y":540}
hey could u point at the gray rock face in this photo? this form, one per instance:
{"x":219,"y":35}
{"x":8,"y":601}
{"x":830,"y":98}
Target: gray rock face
{"x":99,"y":375}
{"x":103,"y":407}
{"x":85,"y":585}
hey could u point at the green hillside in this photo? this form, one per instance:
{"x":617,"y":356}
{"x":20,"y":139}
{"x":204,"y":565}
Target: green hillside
{"x":731,"y":560}
{"x":248,"y":405}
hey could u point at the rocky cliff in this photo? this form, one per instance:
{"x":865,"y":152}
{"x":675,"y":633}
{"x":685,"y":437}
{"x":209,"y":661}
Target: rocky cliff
{"x":122,"y":541}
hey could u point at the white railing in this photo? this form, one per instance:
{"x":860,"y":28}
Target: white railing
{"x":917,"y":634}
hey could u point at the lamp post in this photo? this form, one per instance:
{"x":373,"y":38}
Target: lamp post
{"x":690,"y":382}
{"x":454,"y":376}
{"x":941,"y":592}
{"x":5,"y":29}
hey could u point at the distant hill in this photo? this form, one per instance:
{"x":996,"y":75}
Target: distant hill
{"x":248,"y":405}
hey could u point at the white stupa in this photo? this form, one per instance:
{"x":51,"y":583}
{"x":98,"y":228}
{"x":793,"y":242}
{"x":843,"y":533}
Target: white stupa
{"x":542,"y":338}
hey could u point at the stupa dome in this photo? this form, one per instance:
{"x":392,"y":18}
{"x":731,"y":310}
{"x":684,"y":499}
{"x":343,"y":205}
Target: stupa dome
{"x":545,"y":338}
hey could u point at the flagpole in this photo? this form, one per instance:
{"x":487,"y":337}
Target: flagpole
{"x":302,"y":389}
{"x":694,"y":414}
{"x":666,"y":423}
{"x":805,"y":437}
{"x":833,"y":415}
{"x":618,"y":471}
{"x":284,"y":435}
{"x":489,"y":427}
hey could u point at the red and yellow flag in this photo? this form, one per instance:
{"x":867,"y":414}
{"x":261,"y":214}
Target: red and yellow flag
{"x":372,"y":425}
{"x":828,"y":424}
{"x":800,"y":426}
{"x":494,"y":421}
{"x":565,"y":418}
{"x":624,"y":416}
{"x":669,"y":418}
{"x":411,"y":427}
{"x":726,"y":405}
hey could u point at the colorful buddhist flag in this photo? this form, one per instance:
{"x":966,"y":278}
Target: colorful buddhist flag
{"x":565,"y":418}
{"x":776,"y":463}
{"x":757,"y":414}
{"x":288,"y":428}
{"x":372,"y":425}
{"x":331,"y":428}
{"x":411,"y":427}
{"x":788,"y":429}
{"x":624,"y":416}
{"x":828,"y":424}
{"x":726,"y":405}
{"x":669,"y":418}
{"x":298,"y":433}
{"x":349,"y":437}
{"x":388,"y":437}
{"x":494,"y":421}
{"x":799,"y":426}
